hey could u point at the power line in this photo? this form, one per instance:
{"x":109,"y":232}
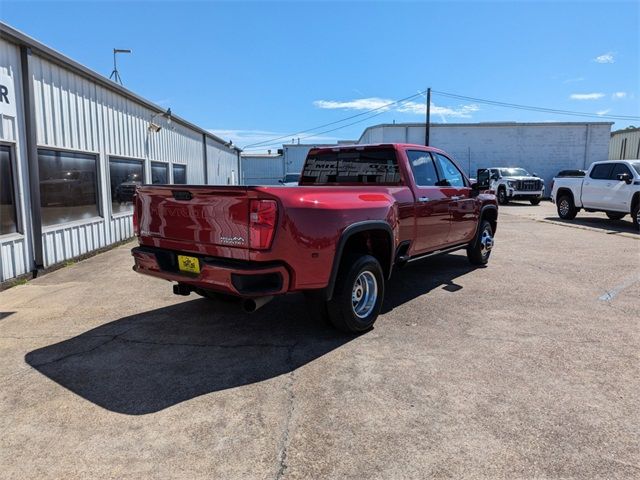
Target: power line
{"x":533,"y":108}
{"x":382,"y":107}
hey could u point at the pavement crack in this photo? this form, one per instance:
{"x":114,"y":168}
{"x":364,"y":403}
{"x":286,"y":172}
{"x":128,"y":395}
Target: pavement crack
{"x":285,"y":440}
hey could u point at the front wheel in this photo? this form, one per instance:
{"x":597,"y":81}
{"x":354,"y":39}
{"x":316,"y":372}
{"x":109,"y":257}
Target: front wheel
{"x":616,"y":215}
{"x":535,"y":201}
{"x":479,"y":251}
{"x":635,"y":215}
{"x":502,"y":196}
{"x":357,"y":298}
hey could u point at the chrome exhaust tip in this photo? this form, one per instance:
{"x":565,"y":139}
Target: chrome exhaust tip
{"x":250,"y":305}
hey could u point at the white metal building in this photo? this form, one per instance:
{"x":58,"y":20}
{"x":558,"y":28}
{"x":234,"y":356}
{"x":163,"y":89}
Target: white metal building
{"x":73,"y":146}
{"x":543,"y":148}
{"x":625,"y":144}
{"x":261,"y":169}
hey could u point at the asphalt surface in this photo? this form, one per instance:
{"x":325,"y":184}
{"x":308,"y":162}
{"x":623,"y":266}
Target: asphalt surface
{"x":528,"y":368}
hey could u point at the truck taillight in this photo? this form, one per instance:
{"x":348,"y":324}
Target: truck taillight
{"x":263,"y":215}
{"x":136,"y":225}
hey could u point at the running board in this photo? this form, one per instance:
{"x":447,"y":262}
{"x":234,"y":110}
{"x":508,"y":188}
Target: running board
{"x":436,"y":252}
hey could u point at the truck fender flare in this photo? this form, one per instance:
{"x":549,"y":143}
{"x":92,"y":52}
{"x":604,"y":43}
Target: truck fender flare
{"x":483,"y":211}
{"x":349,"y":232}
{"x":565,"y":190}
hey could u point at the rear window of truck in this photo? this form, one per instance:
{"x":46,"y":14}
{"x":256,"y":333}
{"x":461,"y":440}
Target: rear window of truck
{"x":379,"y":167}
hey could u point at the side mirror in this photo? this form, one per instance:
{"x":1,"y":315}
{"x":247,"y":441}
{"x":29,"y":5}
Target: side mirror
{"x":281,"y":182}
{"x":483,"y":180}
{"x":624,"y":177}
{"x":535,"y":174}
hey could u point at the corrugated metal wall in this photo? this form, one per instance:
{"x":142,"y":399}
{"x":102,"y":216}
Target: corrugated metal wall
{"x":75,"y":113}
{"x":222,"y":165}
{"x":625,"y":145}
{"x":262,"y":169}
{"x":15,"y":249}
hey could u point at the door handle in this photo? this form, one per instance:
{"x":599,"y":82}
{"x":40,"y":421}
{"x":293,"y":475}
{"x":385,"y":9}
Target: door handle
{"x":457,"y":197}
{"x":423,"y":199}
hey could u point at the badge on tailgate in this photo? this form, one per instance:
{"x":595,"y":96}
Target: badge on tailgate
{"x":188,"y":264}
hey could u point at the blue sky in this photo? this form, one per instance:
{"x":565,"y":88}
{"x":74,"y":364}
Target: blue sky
{"x":254,"y":71}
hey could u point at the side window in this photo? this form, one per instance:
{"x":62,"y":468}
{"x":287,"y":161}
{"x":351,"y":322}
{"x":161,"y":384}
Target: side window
{"x":125,"y":175}
{"x":8,"y":218}
{"x":68,"y":186}
{"x":424,"y":172}
{"x":179,"y":174}
{"x":449,"y":174}
{"x":159,"y":173}
{"x":601,"y":171}
{"x":619,"y":168}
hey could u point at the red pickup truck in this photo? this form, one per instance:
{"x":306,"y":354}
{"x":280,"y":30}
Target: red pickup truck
{"x":359,"y":212}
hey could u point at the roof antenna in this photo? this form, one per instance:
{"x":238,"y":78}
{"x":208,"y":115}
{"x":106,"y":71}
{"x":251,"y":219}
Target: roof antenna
{"x":115,"y":75}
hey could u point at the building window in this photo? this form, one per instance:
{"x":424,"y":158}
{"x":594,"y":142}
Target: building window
{"x":159,"y":173}
{"x":125,"y":175}
{"x":8,"y":218}
{"x":68,"y":186}
{"x":180,"y":174}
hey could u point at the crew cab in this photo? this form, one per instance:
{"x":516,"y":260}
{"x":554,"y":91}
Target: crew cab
{"x":610,"y":186}
{"x":512,"y":183}
{"x":358,"y":213}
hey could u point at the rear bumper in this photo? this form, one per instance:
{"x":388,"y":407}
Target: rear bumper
{"x":241,"y":278}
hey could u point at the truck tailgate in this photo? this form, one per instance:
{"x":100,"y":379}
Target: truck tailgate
{"x":205,"y":215}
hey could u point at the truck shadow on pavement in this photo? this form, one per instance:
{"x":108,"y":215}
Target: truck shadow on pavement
{"x":613,"y":226}
{"x":153,"y":360}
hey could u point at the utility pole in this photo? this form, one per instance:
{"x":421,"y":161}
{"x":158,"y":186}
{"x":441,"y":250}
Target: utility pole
{"x":428,"y":124}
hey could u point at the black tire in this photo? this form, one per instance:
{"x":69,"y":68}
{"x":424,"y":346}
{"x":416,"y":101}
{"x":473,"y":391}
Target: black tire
{"x":566,"y":208}
{"x":342,"y":311}
{"x":502,"y":196}
{"x":535,"y":201}
{"x":635,"y":215}
{"x":479,"y":251}
{"x":615,"y":215}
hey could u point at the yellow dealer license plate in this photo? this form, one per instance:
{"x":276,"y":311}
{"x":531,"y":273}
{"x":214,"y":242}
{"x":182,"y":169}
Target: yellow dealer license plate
{"x":188,"y":264}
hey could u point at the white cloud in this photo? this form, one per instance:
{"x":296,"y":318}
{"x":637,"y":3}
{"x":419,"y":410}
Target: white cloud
{"x":603,"y":112}
{"x":605,"y":58}
{"x":618,"y":95}
{"x":245,"y":137}
{"x":383,"y":104}
{"x":586,"y":96}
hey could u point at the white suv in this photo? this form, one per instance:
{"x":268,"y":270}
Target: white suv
{"x":516,"y":184}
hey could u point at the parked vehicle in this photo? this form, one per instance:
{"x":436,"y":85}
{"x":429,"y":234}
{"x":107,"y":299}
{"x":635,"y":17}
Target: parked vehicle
{"x":516,"y":184}
{"x":72,"y":187}
{"x":290,"y":180}
{"x":127,"y":188}
{"x":611,"y":186}
{"x":359,"y":213}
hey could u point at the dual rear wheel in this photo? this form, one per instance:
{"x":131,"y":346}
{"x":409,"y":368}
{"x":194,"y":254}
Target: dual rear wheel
{"x":360,"y":285}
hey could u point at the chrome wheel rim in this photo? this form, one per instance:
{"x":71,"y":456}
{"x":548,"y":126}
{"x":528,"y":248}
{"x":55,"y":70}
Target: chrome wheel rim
{"x":564,"y":207}
{"x":486,"y":242}
{"x":364,"y":294}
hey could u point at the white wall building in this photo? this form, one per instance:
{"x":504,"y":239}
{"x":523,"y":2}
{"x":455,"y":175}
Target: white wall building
{"x":73,"y":145}
{"x":543,"y":148}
